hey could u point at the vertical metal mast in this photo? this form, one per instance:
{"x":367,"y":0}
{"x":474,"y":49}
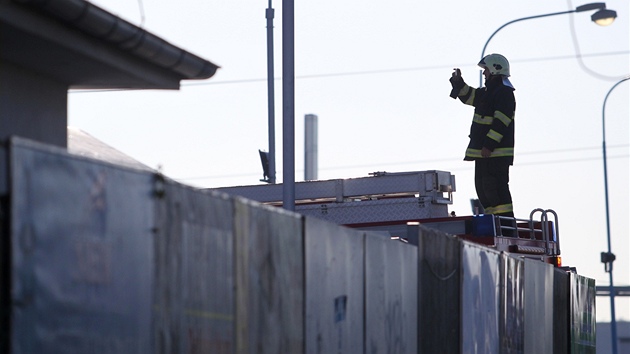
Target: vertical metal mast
{"x":271,"y":96}
{"x":288,"y":106}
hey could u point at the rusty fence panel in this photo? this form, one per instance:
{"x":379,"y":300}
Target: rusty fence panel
{"x":391,"y":295}
{"x":334,"y":288}
{"x":82,"y":251}
{"x":269,"y":251}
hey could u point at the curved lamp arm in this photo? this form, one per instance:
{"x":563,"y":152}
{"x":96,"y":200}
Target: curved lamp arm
{"x":602,"y":17}
{"x":483,"y":51}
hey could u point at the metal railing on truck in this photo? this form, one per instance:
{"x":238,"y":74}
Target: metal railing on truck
{"x":530,"y":229}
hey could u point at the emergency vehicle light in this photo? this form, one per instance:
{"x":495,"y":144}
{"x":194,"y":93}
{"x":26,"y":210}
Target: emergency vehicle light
{"x":556,"y":261}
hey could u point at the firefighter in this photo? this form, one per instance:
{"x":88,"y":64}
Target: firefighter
{"x":491,"y":133}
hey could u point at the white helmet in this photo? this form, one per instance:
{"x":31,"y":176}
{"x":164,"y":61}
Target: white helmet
{"x":496,"y":63}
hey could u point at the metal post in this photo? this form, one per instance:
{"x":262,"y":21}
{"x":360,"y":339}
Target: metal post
{"x":310,"y":147}
{"x":609,"y":257}
{"x":271,"y":96}
{"x":288,"y":106}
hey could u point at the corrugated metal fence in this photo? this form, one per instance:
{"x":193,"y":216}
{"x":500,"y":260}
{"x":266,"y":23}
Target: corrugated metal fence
{"x":110,"y":260}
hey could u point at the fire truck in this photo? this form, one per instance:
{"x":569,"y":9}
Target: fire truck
{"x":392,"y":203}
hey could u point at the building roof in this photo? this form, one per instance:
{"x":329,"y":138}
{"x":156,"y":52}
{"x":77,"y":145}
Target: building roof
{"x":83,"y":144}
{"x":87,"y":47}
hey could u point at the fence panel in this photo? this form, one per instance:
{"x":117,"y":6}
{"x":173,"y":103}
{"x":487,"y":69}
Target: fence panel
{"x":582,"y":310}
{"x":439,"y":290}
{"x":193,"y":299}
{"x":334,"y":288}
{"x":561,"y":311}
{"x":538,"y":307}
{"x":480,"y":299}
{"x":82,"y":251}
{"x":512,"y":317}
{"x":391,"y":295}
{"x":269,"y":279}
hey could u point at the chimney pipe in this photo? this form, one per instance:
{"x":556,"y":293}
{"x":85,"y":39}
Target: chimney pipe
{"x":310,"y":147}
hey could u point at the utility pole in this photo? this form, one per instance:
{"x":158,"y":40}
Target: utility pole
{"x":288,"y":106}
{"x":271,"y":96}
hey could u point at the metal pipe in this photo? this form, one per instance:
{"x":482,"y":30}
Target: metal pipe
{"x":310,"y":147}
{"x":271,"y":96}
{"x":288,"y":106}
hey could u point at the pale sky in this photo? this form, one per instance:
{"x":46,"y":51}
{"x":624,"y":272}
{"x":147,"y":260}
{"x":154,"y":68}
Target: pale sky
{"x":376,"y":74}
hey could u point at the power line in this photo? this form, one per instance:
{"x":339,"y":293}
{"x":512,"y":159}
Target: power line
{"x":366,"y":72}
{"x":398,"y":70}
{"x":450,"y":169}
{"x":448,"y":160}
{"x":571,"y":149}
{"x":458,"y":159}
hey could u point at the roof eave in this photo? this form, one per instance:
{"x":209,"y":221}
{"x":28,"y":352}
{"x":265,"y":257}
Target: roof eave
{"x":96,"y":22}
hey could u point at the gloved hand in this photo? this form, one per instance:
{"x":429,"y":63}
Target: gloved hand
{"x":457,"y":82}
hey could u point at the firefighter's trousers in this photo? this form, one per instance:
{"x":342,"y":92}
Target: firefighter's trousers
{"x":492,"y":177}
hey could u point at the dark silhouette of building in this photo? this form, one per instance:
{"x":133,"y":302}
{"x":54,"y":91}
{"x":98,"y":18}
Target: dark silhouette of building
{"x":50,"y":46}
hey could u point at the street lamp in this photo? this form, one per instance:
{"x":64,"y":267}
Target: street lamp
{"x":288,"y":105}
{"x":608,"y":257}
{"x":602,"y":17}
{"x":271,"y":115}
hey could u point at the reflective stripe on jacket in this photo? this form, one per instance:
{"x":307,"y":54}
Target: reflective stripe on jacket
{"x":493,"y":122}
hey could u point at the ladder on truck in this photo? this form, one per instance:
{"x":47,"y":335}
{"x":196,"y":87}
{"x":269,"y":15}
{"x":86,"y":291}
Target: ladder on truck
{"x":385,"y":202}
{"x":380,"y":197}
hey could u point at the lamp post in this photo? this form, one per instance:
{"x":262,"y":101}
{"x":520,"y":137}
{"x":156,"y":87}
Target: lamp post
{"x":608,"y":257}
{"x":271,"y":96}
{"x":602,"y":17}
{"x":288,"y":105}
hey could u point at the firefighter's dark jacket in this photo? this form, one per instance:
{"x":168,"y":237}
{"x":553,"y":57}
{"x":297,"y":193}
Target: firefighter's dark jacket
{"x":493,"y":122}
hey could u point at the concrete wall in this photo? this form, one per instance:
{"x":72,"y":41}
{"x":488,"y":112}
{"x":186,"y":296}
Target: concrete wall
{"x":32,"y":106}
